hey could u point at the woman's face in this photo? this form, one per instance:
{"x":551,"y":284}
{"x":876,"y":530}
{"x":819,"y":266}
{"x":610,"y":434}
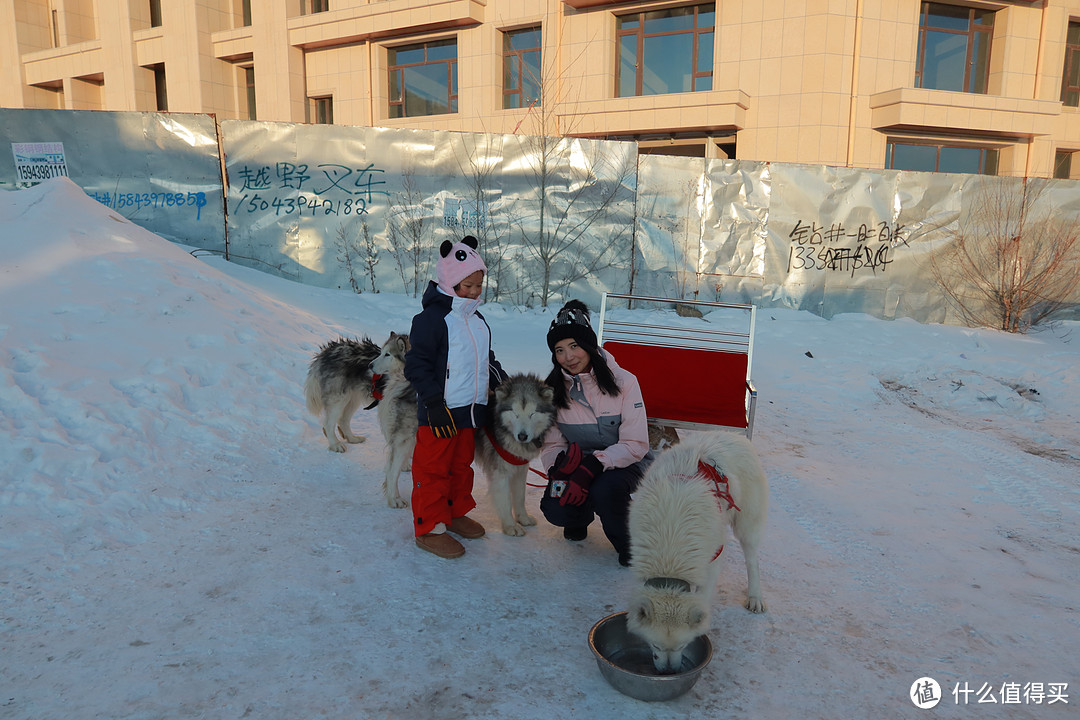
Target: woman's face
{"x":571,"y":356}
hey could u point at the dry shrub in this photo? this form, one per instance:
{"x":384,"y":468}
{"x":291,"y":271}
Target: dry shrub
{"x":1010,"y":261}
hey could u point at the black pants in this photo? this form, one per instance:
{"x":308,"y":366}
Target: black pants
{"x":609,"y":498}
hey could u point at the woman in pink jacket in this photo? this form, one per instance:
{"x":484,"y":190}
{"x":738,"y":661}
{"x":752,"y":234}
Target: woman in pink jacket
{"x":598,"y":449}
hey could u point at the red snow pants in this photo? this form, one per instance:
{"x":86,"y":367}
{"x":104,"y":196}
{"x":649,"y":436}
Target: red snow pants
{"x":442,"y":477}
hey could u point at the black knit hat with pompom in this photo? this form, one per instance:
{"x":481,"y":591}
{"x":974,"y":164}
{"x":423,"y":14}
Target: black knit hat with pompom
{"x":572,"y":321}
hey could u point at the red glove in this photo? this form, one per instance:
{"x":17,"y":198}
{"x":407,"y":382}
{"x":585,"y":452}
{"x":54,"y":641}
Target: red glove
{"x":566,"y":462}
{"x":578,"y":482}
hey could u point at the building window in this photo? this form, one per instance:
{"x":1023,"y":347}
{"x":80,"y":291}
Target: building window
{"x":930,"y":157}
{"x":665,"y":51}
{"x":521,"y":68}
{"x":321,"y":110}
{"x":310,"y":7}
{"x":954,"y":48}
{"x":1063,"y":164}
{"x":423,"y":79}
{"x":245,"y":12}
{"x":155,"y":13}
{"x":1070,"y":77}
{"x":160,"y":94}
{"x":249,"y":85}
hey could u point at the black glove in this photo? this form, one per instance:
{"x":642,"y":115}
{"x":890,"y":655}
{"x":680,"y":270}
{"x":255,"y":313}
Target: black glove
{"x":578,"y":482}
{"x":439,"y":420}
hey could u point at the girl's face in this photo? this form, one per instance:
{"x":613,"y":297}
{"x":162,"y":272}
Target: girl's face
{"x":472,"y":286}
{"x":572,"y":357}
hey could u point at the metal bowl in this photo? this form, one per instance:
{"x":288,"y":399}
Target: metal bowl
{"x":625,"y":661}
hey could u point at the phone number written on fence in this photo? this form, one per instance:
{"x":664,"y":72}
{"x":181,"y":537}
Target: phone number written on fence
{"x":152,"y":200}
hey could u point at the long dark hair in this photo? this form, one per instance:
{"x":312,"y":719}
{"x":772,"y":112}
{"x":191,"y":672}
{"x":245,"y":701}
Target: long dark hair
{"x":605,"y":379}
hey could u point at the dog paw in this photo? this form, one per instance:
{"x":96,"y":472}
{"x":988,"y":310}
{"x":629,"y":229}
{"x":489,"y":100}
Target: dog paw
{"x":755,"y":605}
{"x":336,"y":447}
{"x":526,"y":519}
{"x":514,"y":530}
{"x":397,"y":503}
{"x":355,"y":439}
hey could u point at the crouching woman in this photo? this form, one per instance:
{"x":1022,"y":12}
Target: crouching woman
{"x":599,"y":448}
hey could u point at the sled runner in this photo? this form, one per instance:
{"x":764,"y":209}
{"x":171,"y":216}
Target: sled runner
{"x":694,"y":372}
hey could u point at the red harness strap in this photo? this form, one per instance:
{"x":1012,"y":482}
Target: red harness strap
{"x":720,"y":482}
{"x":375,"y":391}
{"x":503,"y":453}
{"x":720,"y":490}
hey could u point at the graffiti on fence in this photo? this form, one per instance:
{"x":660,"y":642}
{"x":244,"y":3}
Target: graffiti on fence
{"x":869,"y":247}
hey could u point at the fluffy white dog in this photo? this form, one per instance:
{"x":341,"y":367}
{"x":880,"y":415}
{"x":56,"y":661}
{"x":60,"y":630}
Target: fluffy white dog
{"x":678,"y":524}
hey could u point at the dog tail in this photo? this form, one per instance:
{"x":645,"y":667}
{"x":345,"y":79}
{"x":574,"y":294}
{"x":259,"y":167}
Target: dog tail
{"x":313,"y":395}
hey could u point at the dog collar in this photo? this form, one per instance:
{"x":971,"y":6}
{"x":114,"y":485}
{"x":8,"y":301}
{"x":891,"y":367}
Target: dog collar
{"x":503,"y":452}
{"x":669,"y":583}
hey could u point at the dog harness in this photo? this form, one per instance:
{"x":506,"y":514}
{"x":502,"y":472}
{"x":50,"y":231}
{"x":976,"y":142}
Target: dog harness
{"x":723,"y":495}
{"x":503,"y":452}
{"x":720,"y":490}
{"x":720,"y":484}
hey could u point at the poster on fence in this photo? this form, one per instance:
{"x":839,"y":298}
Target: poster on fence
{"x":37,"y":161}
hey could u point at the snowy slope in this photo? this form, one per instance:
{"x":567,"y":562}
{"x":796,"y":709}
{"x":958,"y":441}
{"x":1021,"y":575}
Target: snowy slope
{"x":176,"y":541}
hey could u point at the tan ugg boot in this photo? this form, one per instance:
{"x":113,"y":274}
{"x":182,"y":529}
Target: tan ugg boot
{"x":440,"y":544}
{"x":466,"y":527}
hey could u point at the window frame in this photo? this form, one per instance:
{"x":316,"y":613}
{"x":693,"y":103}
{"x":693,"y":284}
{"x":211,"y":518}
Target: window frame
{"x":161,"y":92}
{"x":989,"y":156}
{"x":1070,"y":94}
{"x":517,"y":57}
{"x":321,"y":110}
{"x":971,"y":34}
{"x":399,"y":104}
{"x":249,"y":90}
{"x":1063,"y":164}
{"x":639,"y":33}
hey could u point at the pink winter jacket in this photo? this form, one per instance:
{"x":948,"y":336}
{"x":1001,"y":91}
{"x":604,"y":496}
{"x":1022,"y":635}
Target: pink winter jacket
{"x":620,"y":420}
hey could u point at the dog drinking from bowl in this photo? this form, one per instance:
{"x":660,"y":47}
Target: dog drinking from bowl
{"x":679,"y":518}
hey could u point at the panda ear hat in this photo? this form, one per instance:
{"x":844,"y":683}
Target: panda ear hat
{"x":457,"y":261}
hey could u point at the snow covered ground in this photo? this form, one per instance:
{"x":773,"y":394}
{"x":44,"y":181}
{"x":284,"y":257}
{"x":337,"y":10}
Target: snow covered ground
{"x":176,"y":541}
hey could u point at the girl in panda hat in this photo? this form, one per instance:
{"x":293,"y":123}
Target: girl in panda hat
{"x":451,"y":366}
{"x":599,"y":448}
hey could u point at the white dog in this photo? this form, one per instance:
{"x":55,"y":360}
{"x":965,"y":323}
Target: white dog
{"x":519,"y":419}
{"x":678,"y":522}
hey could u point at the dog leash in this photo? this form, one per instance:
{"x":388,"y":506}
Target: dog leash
{"x":541,"y":475}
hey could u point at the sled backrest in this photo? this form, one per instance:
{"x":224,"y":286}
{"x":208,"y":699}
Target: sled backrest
{"x":692,"y":358}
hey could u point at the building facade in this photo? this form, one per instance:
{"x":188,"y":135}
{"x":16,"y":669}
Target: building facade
{"x":952,"y":86}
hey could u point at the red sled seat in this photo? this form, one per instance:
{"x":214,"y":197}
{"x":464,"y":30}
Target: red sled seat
{"x":694,"y":370}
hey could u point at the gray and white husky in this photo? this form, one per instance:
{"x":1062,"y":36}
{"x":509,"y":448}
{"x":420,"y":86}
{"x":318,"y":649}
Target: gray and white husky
{"x":339,"y":381}
{"x":679,"y":518}
{"x":397,"y":414}
{"x":520,"y":417}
